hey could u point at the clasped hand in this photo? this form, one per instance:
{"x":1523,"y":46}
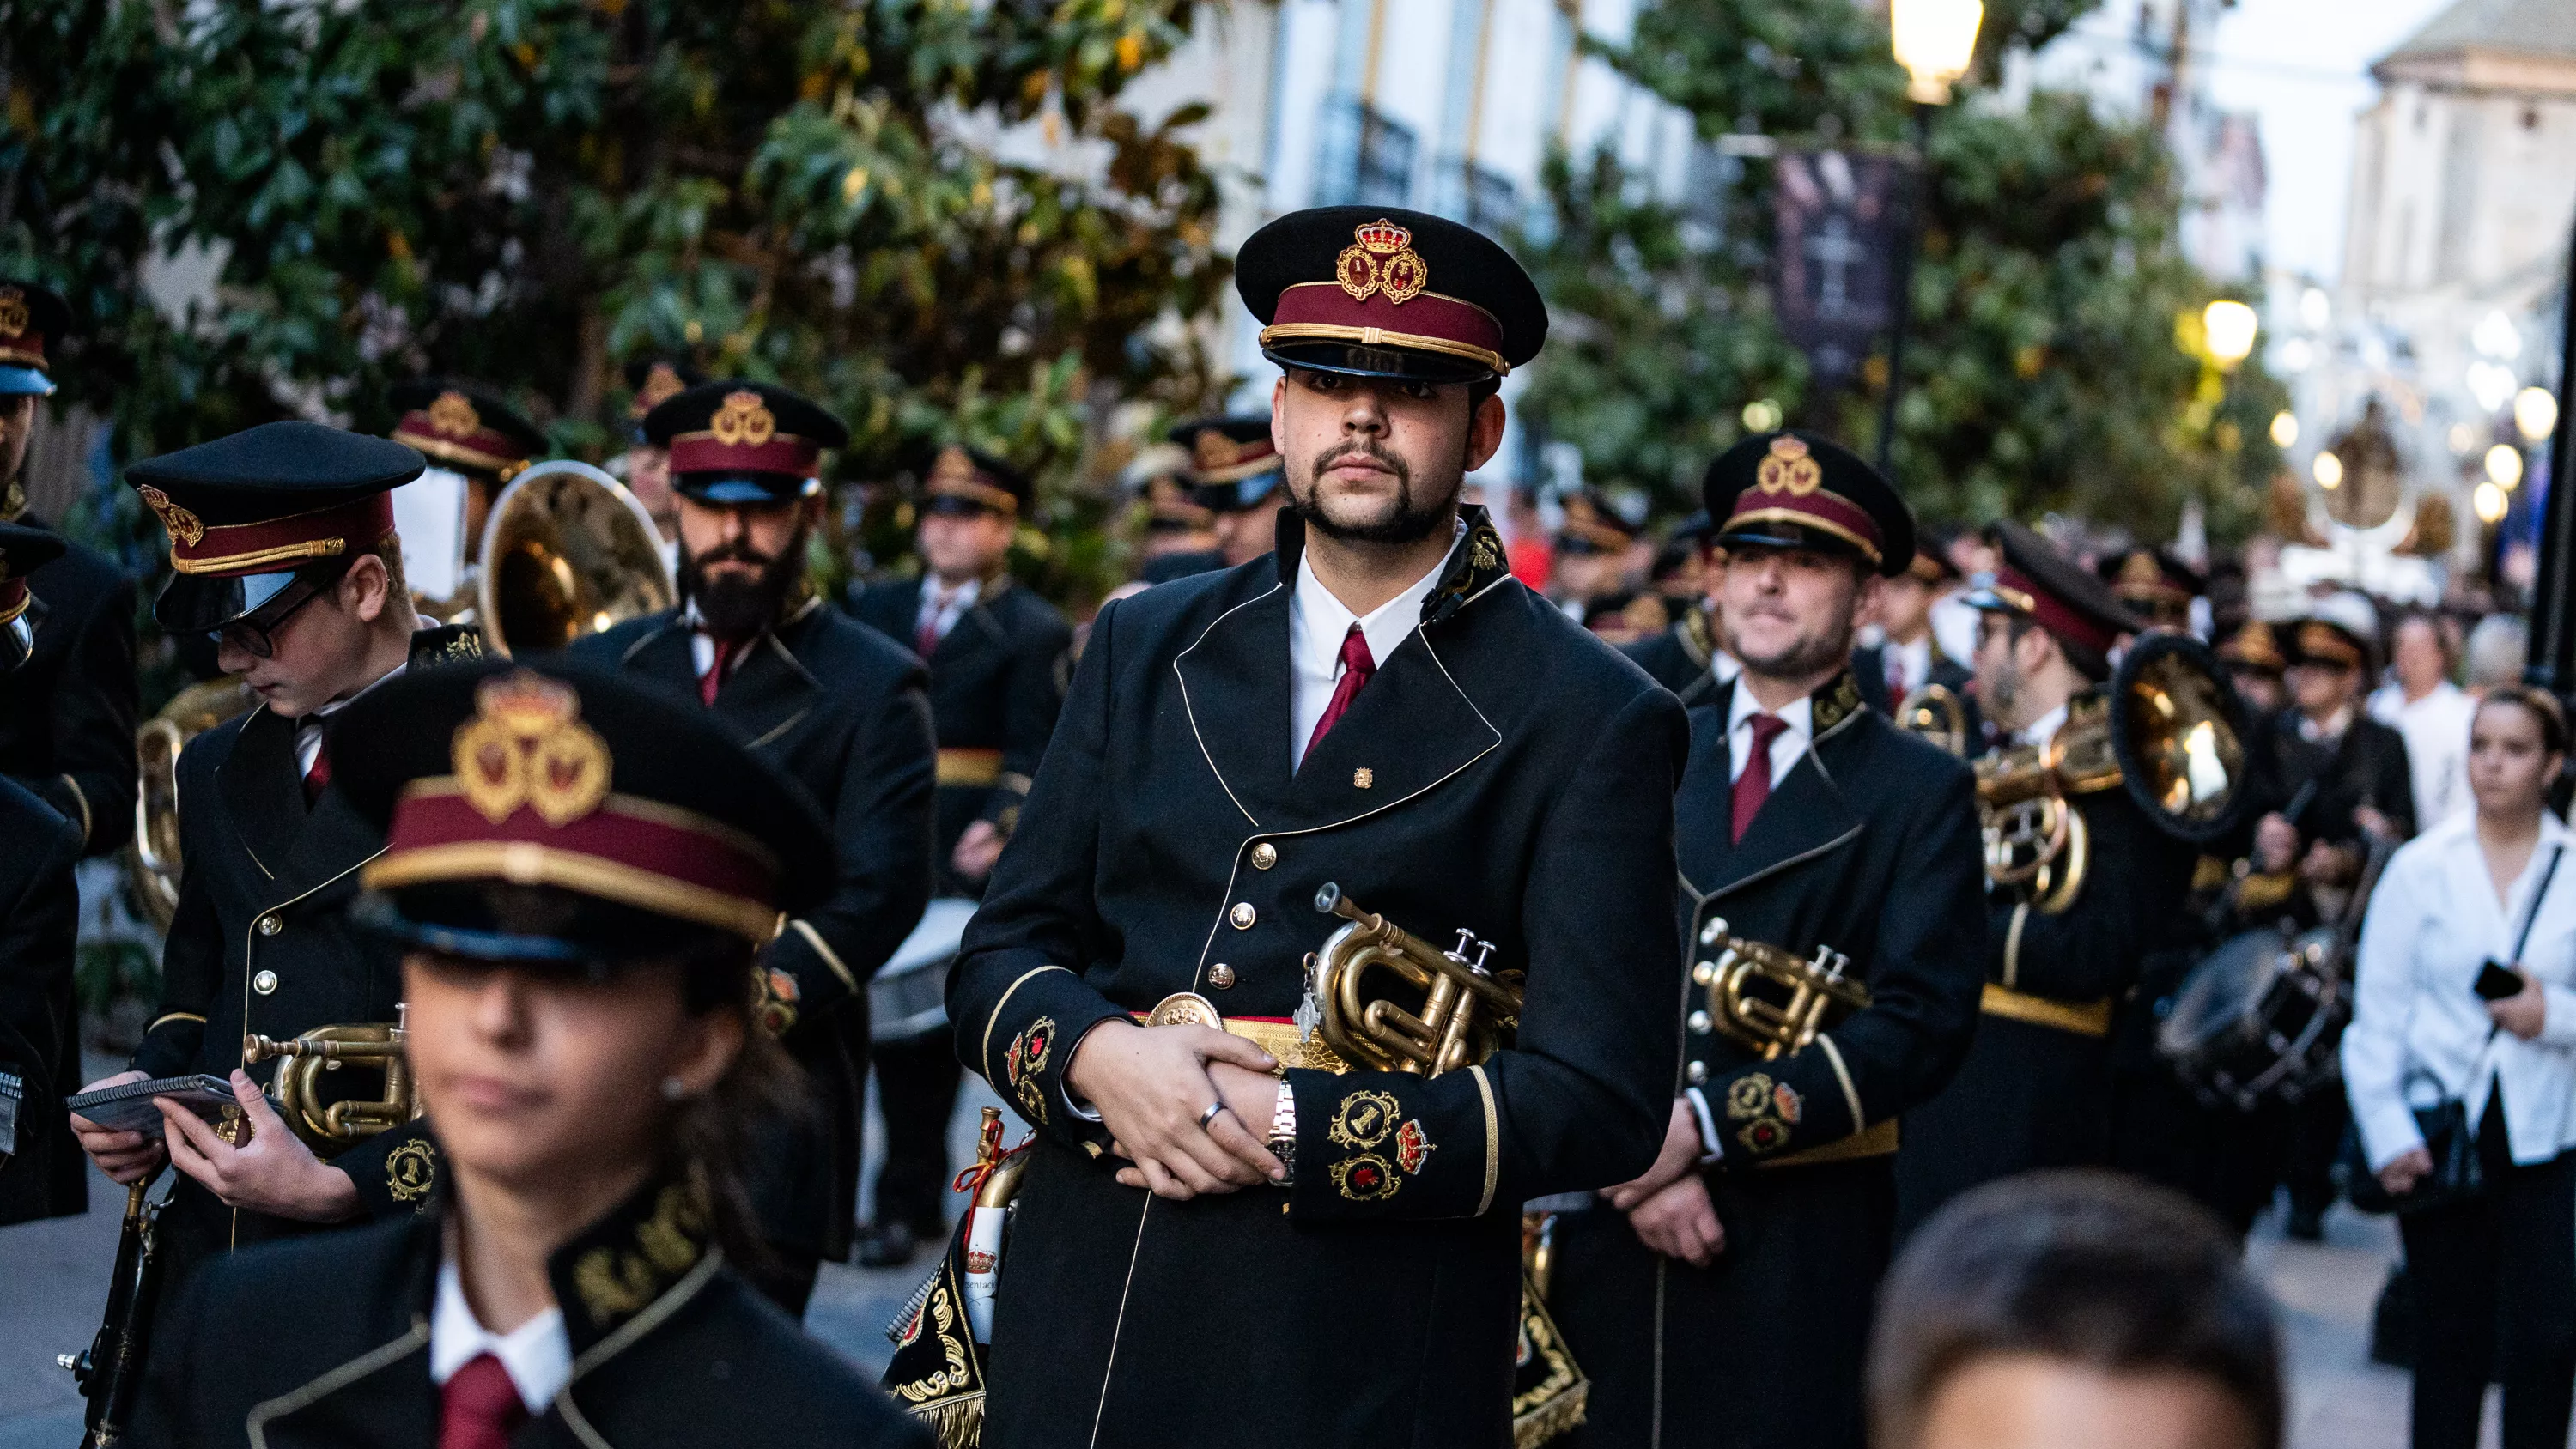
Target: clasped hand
{"x":1151,"y":1085}
{"x":1669,"y":1207}
{"x":272,"y":1172}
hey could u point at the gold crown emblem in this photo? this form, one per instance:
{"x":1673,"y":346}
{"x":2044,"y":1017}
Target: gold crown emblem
{"x":743,"y":421}
{"x":179,"y":523}
{"x":1215,"y":450}
{"x":2139,"y":571}
{"x":661,"y":384}
{"x":1790,"y":467}
{"x":13,"y":312}
{"x":526,"y":745}
{"x":1379,"y":260}
{"x":452,"y":415}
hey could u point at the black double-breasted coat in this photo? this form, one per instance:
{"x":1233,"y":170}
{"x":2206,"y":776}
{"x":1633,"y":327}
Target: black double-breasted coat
{"x":669,"y":1347}
{"x":67,"y":714}
{"x":2036,"y":1089}
{"x":839,"y":709}
{"x":261,"y":943}
{"x":39,"y":909}
{"x":1504,"y":772}
{"x":997,"y":680}
{"x":1868,"y":845}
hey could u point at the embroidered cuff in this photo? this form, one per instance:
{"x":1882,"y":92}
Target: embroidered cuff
{"x":1027,"y":1041}
{"x":395,"y":1172}
{"x":1774,"y":1109}
{"x":1392,"y":1145}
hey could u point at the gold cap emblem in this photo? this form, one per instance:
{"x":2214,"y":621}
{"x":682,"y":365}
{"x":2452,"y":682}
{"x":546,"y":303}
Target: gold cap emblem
{"x":743,"y":421}
{"x":1215,"y":450}
{"x":179,"y":523}
{"x":526,"y":745}
{"x":661,"y":384}
{"x":452,"y":415}
{"x":1381,"y":259}
{"x":13,"y":312}
{"x":1789,"y":468}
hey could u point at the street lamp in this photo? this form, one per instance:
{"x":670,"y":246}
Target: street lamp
{"x":2504,"y":466}
{"x":1936,"y":41}
{"x":2227,"y":328}
{"x":2328,"y":471}
{"x":2535,"y":413}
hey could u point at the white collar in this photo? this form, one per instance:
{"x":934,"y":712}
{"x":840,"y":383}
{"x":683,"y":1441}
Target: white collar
{"x":537,"y":1353}
{"x":934,"y":592}
{"x":2044,"y":728}
{"x":1724,"y":665}
{"x":2328,"y":732}
{"x":1798,"y":714}
{"x":1325,"y":620}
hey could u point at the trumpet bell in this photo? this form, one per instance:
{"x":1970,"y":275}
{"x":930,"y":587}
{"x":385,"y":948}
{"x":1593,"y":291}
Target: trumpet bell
{"x":2178,"y":730}
{"x":567,"y":552}
{"x":1937,"y":714}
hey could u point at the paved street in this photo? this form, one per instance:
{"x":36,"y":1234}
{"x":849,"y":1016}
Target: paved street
{"x":53,"y":1279}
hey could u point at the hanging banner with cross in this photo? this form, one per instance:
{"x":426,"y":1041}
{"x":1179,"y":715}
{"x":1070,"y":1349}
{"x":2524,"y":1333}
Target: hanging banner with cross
{"x":1839,"y":217}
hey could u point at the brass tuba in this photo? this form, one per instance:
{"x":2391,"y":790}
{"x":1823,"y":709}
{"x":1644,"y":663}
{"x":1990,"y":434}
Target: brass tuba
{"x":1768,"y":999}
{"x":1937,"y":714}
{"x":326,"y":1122}
{"x":152,"y":857}
{"x":2168,"y":727}
{"x":567,"y":552}
{"x":1453,"y":1011}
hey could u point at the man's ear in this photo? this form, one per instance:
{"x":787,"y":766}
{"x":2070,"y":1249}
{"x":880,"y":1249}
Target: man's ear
{"x":1872,"y":591}
{"x":1279,"y":415}
{"x":1485,"y":432}
{"x":364,"y":590}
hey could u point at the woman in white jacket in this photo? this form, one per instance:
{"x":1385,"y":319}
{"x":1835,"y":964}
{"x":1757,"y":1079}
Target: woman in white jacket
{"x":2494,"y":1277}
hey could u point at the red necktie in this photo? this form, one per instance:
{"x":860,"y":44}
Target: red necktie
{"x":1357,"y":668}
{"x":925,"y":640}
{"x":713,"y":679}
{"x":1754,"y":786}
{"x":479,"y":1407}
{"x":317,"y":776}
{"x":1895,"y":676}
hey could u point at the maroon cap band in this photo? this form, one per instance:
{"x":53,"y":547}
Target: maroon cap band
{"x":274,"y":546}
{"x":1819,"y":509}
{"x":778,"y":453}
{"x":2016,"y":589}
{"x":1425,"y":321}
{"x":13,"y":599}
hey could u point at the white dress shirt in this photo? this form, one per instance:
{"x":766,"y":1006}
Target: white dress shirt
{"x":2436,"y":729}
{"x":2433,"y":921}
{"x":1317,"y":624}
{"x":1913,"y":662}
{"x":2042,"y":729}
{"x":942,"y":607}
{"x":1787,"y":747}
{"x":537,"y":1353}
{"x":308,"y":730}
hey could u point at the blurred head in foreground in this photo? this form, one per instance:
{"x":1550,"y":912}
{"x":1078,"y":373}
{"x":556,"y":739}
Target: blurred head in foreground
{"x":2074,"y":1308}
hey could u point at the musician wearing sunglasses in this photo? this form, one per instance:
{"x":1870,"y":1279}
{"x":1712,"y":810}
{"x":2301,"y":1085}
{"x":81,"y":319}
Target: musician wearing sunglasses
{"x":283,"y":550}
{"x":577,"y":872}
{"x":1723,"y":1297}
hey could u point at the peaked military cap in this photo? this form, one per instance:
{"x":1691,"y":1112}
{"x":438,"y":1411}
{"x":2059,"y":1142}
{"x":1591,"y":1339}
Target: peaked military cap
{"x":1233,"y":464}
{"x":2036,"y":581}
{"x":246,"y":512}
{"x":1798,"y":489}
{"x":743,"y":442}
{"x":2153,"y":582}
{"x":465,"y":425}
{"x":969,"y":480}
{"x":2253,"y":647}
{"x":23,"y":550}
{"x":1592,"y":525}
{"x":1377,"y":292}
{"x":632,"y":809}
{"x":2340,"y":629}
{"x":33,"y":320}
{"x":655,"y":381}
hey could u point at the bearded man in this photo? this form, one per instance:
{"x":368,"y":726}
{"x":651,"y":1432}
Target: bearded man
{"x":1230,"y":1233}
{"x":841,"y":710}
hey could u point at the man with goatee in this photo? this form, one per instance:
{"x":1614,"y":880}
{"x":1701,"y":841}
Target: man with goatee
{"x":841,"y":709}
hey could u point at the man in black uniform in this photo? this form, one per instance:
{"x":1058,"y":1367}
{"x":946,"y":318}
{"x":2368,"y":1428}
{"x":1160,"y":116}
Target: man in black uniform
{"x":67,"y":719}
{"x":1907,"y":657}
{"x":283,"y":543}
{"x":840,"y":710}
{"x":1724,"y":1297}
{"x":646,"y":465}
{"x":39,"y":906}
{"x":1235,"y":474}
{"x":997,"y":665}
{"x":471,"y":430}
{"x":1689,"y":657}
{"x":2154,"y":584}
{"x":1380,"y":708}
{"x":2035,"y":1090}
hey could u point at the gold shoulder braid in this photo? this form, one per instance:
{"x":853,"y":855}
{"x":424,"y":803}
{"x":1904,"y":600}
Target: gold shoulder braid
{"x":634,"y":1257}
{"x":1834,"y":703}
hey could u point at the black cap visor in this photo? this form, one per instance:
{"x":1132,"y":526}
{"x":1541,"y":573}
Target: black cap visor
{"x":1239,"y":495}
{"x":1772,"y":533}
{"x":1351,"y":359}
{"x":734,"y":490}
{"x":204,"y":604}
{"x":954,"y":505}
{"x":535,"y":928}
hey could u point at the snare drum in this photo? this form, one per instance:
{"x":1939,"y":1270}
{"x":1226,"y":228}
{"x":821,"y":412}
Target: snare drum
{"x":908,"y":997}
{"x":2260,"y":1019}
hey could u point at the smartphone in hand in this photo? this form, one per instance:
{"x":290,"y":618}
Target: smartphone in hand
{"x":2496,"y":981}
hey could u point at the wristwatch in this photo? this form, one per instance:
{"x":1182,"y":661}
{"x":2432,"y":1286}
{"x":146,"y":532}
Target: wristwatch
{"x":1283,"y":1133}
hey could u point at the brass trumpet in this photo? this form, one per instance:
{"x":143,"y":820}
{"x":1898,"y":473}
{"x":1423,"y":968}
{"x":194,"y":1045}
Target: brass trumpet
{"x":1769,"y":999}
{"x":1465,"y":1011}
{"x":329,"y":1126}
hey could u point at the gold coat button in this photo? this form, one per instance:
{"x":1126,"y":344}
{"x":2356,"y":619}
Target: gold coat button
{"x":270,"y":925}
{"x":1698,"y":1074}
{"x":265,"y":983}
{"x":1264,"y":856}
{"x":1699,"y":1023}
{"x":1243,"y":915}
{"x":1220,"y":976}
{"x":1704,"y":973}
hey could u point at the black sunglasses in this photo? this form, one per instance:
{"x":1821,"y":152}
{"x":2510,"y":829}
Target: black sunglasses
{"x":255,"y":632}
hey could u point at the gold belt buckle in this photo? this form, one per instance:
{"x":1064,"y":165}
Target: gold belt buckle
{"x":1185,"y":1008}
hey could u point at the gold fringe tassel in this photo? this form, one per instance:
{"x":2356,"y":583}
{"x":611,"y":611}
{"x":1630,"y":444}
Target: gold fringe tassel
{"x":958,"y":1421}
{"x":1560,"y":1413}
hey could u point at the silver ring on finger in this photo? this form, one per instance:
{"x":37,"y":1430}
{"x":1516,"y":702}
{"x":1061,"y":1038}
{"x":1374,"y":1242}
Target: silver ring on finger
{"x":1210,"y":1114}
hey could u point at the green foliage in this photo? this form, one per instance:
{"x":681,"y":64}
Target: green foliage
{"x":826,"y":195}
{"x":2042,"y":366}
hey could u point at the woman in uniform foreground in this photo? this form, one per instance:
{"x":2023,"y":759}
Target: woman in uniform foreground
{"x":576,"y":874}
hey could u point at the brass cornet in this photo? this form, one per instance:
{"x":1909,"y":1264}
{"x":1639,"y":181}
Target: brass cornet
{"x":327,"y":1126}
{"x":1769,"y":999}
{"x":1464,"y":1010}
